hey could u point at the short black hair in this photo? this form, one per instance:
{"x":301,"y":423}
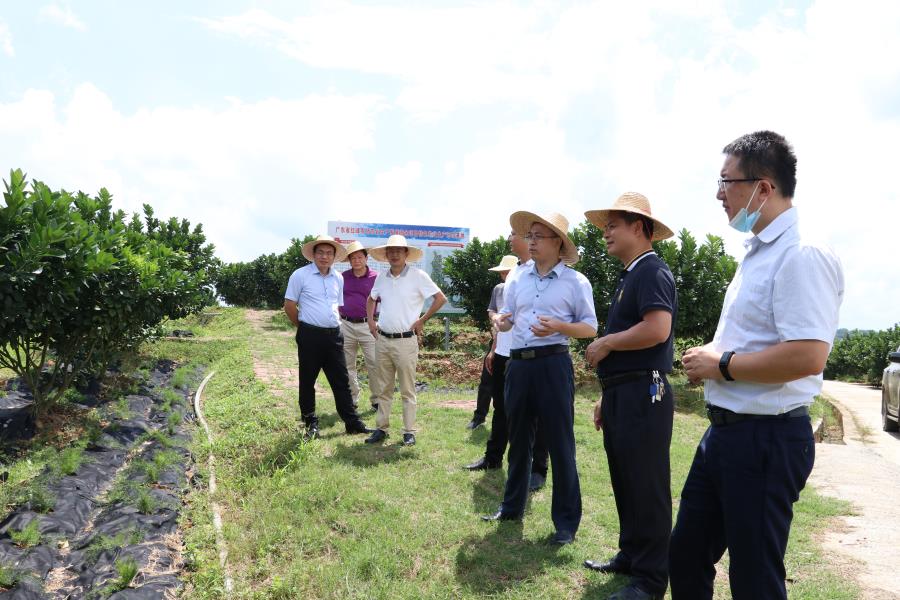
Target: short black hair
{"x":316,"y":247}
{"x":766,"y":154}
{"x":630,"y":217}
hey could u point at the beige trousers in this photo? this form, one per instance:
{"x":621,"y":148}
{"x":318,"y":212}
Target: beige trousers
{"x":397,"y":362}
{"x":357,"y":335}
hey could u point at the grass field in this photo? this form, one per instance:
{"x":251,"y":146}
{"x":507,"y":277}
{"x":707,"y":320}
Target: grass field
{"x":336,"y":518}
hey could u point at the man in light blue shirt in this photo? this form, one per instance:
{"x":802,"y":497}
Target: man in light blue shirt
{"x":311,"y":302}
{"x":544,"y":306}
{"x":761,"y":372}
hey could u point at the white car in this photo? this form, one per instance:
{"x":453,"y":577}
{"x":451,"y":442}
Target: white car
{"x":890,"y":393}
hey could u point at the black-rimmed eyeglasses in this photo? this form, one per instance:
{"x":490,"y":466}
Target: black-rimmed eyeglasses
{"x":722,"y":181}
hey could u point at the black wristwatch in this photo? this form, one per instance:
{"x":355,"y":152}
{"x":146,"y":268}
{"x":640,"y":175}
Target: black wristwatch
{"x":723,"y":364}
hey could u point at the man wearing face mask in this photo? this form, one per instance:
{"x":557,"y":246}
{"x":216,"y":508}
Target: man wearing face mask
{"x":761,"y":373}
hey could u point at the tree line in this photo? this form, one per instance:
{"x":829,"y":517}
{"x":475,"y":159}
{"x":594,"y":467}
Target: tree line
{"x":702,"y":273}
{"x":81,"y":283}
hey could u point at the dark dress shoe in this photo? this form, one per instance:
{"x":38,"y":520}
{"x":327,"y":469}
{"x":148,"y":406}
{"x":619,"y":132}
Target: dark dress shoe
{"x":562,"y":538}
{"x":633,"y":592}
{"x":616,"y":564}
{"x":312,"y":433}
{"x":482,"y":464}
{"x":475,"y":423}
{"x":358,"y":427}
{"x":536,"y":482}
{"x":377,"y":436}
{"x":409,"y":439}
{"x":501,"y":516}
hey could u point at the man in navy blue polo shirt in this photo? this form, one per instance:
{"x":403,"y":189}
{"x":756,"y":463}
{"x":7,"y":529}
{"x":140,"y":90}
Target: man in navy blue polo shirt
{"x":636,"y":407}
{"x":544,"y":306}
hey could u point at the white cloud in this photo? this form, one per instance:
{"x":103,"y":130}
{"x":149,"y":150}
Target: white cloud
{"x":62,"y":15}
{"x":6,"y":39}
{"x":253,"y":174}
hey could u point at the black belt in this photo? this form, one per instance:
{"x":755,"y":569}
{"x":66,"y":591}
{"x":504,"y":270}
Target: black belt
{"x":722,"y":416}
{"x":620,"y":378}
{"x":356,"y":319}
{"x":396,"y":336}
{"x":537,"y":352}
{"x":317,"y":328}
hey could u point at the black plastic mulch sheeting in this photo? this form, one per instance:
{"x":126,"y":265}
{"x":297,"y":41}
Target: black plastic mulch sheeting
{"x":16,"y":418}
{"x":82,"y":521}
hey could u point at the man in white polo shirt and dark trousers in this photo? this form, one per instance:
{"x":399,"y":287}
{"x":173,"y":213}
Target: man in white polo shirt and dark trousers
{"x":761,"y":372}
{"x":544,"y":307}
{"x":403,"y":290}
{"x":311,"y":302}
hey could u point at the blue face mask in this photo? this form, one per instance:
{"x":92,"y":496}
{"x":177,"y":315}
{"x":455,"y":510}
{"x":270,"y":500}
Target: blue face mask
{"x":744,"y":221}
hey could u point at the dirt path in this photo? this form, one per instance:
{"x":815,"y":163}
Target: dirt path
{"x":866,"y":472}
{"x":274,"y":355}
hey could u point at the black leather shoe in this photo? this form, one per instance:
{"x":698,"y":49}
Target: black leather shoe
{"x":312,"y":433}
{"x":562,"y":538}
{"x":633,"y":592}
{"x":409,"y":439}
{"x":358,"y":427}
{"x":475,"y":423}
{"x":377,"y":436}
{"x":501,"y":516}
{"x":482,"y":464}
{"x":614,"y":565}
{"x":536,"y":482}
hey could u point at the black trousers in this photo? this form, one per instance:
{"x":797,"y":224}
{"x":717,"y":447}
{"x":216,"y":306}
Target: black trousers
{"x":496,"y":444}
{"x":543,"y":389}
{"x":739,"y":495}
{"x":636,"y":436}
{"x":485,"y":387}
{"x":322,"y":349}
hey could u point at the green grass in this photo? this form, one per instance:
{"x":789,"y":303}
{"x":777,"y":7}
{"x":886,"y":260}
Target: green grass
{"x":69,"y":460}
{"x":336,"y":518}
{"x":8,"y":577}
{"x":105,"y":543}
{"x":127,"y":569}
{"x":28,"y":536}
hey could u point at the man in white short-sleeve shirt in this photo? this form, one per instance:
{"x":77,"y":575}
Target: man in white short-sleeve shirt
{"x":761,"y":372}
{"x":311,"y":302}
{"x":403,"y":290}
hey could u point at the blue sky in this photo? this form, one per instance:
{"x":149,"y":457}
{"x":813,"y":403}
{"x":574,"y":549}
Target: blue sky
{"x":265,"y":120}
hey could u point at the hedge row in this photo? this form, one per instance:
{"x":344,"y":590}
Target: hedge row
{"x":80,"y":284}
{"x":862,"y":355}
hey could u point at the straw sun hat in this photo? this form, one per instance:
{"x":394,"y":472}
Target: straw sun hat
{"x":521,"y":222}
{"x":354,"y":247}
{"x":507,"y":263}
{"x":379,"y":253}
{"x":339,"y":253}
{"x":634,"y":203}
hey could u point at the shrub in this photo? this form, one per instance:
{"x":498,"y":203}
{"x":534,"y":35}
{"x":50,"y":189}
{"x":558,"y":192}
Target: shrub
{"x":862,"y":355}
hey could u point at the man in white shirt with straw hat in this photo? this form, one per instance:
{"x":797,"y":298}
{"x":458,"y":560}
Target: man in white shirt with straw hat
{"x":636,"y":408}
{"x":311,"y":302}
{"x":358,"y":282}
{"x":544,"y":307}
{"x":402,"y":290}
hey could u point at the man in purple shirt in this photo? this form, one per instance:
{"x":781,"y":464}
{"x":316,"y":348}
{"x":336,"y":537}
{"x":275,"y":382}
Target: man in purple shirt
{"x":358,"y":282}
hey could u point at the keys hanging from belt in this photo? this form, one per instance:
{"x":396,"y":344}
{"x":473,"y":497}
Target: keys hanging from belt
{"x":657,"y":387}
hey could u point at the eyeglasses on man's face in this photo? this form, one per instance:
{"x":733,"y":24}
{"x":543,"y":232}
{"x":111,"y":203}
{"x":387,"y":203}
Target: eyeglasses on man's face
{"x":538,"y":236}
{"x":723,"y":181}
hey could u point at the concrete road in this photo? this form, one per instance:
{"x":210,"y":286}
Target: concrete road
{"x":865,"y":471}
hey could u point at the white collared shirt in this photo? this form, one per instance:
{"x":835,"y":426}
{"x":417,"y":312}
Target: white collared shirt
{"x":402,"y":298}
{"x":785,"y":289}
{"x":504,"y":338}
{"x":317,"y":295}
{"x":563,"y":294}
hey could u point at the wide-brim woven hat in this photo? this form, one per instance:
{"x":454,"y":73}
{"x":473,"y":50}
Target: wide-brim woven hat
{"x":634,"y":203}
{"x":339,"y":253}
{"x":507,"y":263}
{"x":379,"y":253}
{"x":354,"y":247}
{"x":522,"y":220}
